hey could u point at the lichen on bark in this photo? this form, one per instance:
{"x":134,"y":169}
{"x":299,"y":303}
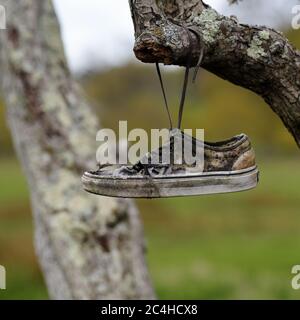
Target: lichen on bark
{"x":209,"y":22}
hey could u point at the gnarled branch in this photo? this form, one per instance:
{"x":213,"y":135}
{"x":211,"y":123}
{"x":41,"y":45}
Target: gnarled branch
{"x":257,"y":58}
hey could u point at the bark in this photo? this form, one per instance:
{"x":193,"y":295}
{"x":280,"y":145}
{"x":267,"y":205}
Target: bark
{"x":89,"y":247}
{"x":257,"y":58}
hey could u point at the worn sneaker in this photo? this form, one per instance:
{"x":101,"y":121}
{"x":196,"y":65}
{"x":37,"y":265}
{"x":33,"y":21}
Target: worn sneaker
{"x":227,"y":166}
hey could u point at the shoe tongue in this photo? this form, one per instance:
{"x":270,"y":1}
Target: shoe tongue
{"x":177,"y":133}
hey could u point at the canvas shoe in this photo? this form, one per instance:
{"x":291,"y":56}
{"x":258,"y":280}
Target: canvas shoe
{"x":226,"y":166}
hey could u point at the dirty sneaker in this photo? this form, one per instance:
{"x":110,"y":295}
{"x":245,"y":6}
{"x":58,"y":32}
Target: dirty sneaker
{"x":227,"y":166}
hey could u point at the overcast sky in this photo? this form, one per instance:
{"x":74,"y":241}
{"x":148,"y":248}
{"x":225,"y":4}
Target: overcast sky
{"x":99,"y":33}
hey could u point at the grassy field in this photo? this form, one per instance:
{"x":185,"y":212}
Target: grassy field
{"x":226,"y":246}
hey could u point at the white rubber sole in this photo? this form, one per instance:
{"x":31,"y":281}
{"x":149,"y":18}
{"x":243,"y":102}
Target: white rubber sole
{"x":171,"y":186}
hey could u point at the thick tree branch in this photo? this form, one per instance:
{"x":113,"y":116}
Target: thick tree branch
{"x":89,"y":247}
{"x":257,"y":58}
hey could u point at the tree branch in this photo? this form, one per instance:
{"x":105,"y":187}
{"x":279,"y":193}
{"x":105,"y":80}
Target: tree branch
{"x":89,"y":247}
{"x":257,"y":58}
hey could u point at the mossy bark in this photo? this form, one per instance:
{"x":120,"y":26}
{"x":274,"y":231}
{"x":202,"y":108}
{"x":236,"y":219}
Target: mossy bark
{"x":89,"y":247}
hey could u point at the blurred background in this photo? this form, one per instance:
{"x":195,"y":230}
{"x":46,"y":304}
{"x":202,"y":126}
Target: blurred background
{"x":225,"y":246}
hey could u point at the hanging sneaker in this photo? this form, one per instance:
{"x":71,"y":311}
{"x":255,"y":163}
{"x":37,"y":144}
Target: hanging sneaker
{"x":227,"y":166}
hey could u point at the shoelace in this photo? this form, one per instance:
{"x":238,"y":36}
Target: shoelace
{"x":189,"y":30}
{"x":148,"y":169}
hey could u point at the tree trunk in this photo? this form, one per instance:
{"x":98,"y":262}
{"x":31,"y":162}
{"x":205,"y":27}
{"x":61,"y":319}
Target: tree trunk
{"x":257,"y":58}
{"x":89,"y":247}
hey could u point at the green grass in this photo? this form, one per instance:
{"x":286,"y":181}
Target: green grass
{"x":211,"y":247}
{"x":239,"y":245}
{"x":13,"y":185}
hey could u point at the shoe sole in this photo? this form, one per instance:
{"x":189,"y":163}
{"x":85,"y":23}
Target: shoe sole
{"x":164,"y":187}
